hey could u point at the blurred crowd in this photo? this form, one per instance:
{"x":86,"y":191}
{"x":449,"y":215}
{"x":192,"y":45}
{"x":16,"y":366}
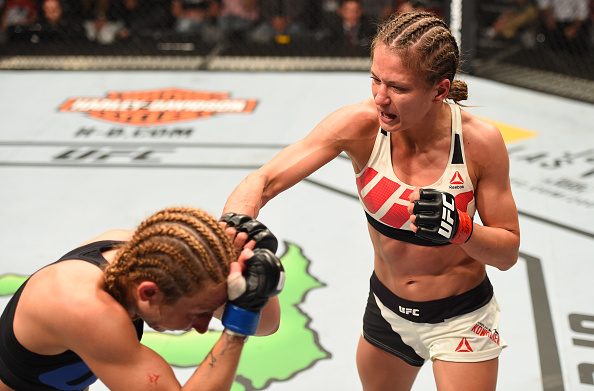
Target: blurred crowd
{"x":349,"y":24}
{"x":561,"y":25}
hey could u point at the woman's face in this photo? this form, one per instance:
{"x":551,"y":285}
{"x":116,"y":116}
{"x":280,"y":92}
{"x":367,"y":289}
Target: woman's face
{"x":188,"y":312}
{"x":401,"y":96}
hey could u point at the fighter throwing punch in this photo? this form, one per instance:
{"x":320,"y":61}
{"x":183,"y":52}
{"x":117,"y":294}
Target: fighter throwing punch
{"x":423,"y":168}
{"x":81,"y":318}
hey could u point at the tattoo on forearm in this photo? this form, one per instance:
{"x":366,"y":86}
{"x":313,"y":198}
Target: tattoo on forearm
{"x":213,"y":359}
{"x":222,"y":350}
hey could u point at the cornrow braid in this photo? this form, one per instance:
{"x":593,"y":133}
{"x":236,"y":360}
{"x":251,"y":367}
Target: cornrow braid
{"x":426,"y":45}
{"x":393,"y":27}
{"x":177,"y":248}
{"x":203,"y":233}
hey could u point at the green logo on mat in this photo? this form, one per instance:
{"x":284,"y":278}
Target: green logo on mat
{"x":264,"y":359}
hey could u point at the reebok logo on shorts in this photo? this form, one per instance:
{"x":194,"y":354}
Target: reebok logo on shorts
{"x":464,"y":346}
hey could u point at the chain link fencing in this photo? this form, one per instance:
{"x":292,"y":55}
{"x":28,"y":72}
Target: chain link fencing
{"x":544,"y":45}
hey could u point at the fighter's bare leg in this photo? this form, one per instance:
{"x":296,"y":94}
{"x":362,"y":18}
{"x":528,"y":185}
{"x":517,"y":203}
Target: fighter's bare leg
{"x":472,"y":376}
{"x":382,"y":371}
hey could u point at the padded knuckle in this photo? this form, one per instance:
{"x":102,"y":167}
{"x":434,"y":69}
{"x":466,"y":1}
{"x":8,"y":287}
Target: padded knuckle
{"x":256,"y":230}
{"x":429,"y":194}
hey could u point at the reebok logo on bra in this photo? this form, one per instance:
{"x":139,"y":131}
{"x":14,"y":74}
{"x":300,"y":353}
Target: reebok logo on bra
{"x":457,"y":179}
{"x":456,"y":182}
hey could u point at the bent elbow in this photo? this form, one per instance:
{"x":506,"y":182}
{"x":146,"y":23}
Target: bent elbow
{"x":509,"y":262}
{"x":270,"y":318}
{"x":269,"y":329}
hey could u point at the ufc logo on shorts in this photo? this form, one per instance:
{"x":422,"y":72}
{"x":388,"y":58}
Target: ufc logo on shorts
{"x":409,"y":311}
{"x":447,"y":218}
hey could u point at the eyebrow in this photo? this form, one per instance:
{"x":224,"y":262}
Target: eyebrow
{"x":388,"y":82}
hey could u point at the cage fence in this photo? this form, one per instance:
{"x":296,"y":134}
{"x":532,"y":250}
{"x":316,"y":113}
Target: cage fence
{"x":545,"y":45}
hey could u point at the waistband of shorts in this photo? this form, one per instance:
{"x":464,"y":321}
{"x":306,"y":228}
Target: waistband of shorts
{"x":434,"y":311}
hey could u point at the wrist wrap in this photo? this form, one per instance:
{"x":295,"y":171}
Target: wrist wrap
{"x":240,"y":321}
{"x":438,"y":220}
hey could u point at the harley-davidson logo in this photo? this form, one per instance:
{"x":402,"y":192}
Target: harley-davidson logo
{"x":156,"y":107}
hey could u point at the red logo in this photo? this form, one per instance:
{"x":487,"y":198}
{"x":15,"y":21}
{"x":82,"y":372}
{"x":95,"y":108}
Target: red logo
{"x":157,"y":107}
{"x":457,"y":179}
{"x":464,"y":346}
{"x":483,"y":331}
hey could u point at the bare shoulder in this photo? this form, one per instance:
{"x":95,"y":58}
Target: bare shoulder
{"x":93,"y":311}
{"x":361,"y":115}
{"x":479,"y":129}
{"x":74,"y":290}
{"x":481,"y":136}
{"x":484,"y":147}
{"x":114,"y":234}
{"x":350,"y":124}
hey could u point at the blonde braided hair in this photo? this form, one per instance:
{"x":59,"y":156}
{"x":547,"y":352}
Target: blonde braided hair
{"x":178,"y":248}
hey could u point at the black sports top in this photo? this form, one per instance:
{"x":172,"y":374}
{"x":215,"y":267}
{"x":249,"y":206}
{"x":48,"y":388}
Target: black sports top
{"x":24,"y":370}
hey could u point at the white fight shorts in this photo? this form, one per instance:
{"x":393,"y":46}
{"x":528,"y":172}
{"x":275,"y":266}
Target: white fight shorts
{"x":462,"y":328}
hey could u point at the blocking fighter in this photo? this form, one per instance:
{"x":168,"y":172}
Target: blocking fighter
{"x":81,"y":318}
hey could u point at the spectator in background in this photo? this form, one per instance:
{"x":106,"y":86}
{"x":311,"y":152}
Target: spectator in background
{"x":350,"y":28}
{"x":102,"y":29}
{"x":56,"y":25}
{"x":142,"y":17}
{"x":565,"y":24}
{"x":520,"y":15}
{"x":401,"y":6}
{"x":197,"y":17}
{"x":88,"y":9}
{"x":282,"y":21}
{"x":99,"y":20}
{"x":238,"y":17}
{"x":377,"y":10}
{"x":18,"y":13}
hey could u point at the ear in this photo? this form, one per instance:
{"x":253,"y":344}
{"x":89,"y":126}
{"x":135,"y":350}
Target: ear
{"x":149,"y":291}
{"x":442,"y":89}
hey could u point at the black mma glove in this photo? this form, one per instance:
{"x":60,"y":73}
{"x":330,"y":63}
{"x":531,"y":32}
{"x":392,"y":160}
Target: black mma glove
{"x":255,"y":230}
{"x":262,"y":278}
{"x":438,"y":219}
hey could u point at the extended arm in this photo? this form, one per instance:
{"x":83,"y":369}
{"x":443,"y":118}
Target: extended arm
{"x":338,"y":132}
{"x":287,"y":168}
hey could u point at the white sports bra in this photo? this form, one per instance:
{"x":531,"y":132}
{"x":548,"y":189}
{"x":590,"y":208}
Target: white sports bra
{"x":384,"y":197}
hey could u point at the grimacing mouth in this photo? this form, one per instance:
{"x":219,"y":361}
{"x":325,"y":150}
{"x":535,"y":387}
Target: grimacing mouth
{"x":387,"y":115}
